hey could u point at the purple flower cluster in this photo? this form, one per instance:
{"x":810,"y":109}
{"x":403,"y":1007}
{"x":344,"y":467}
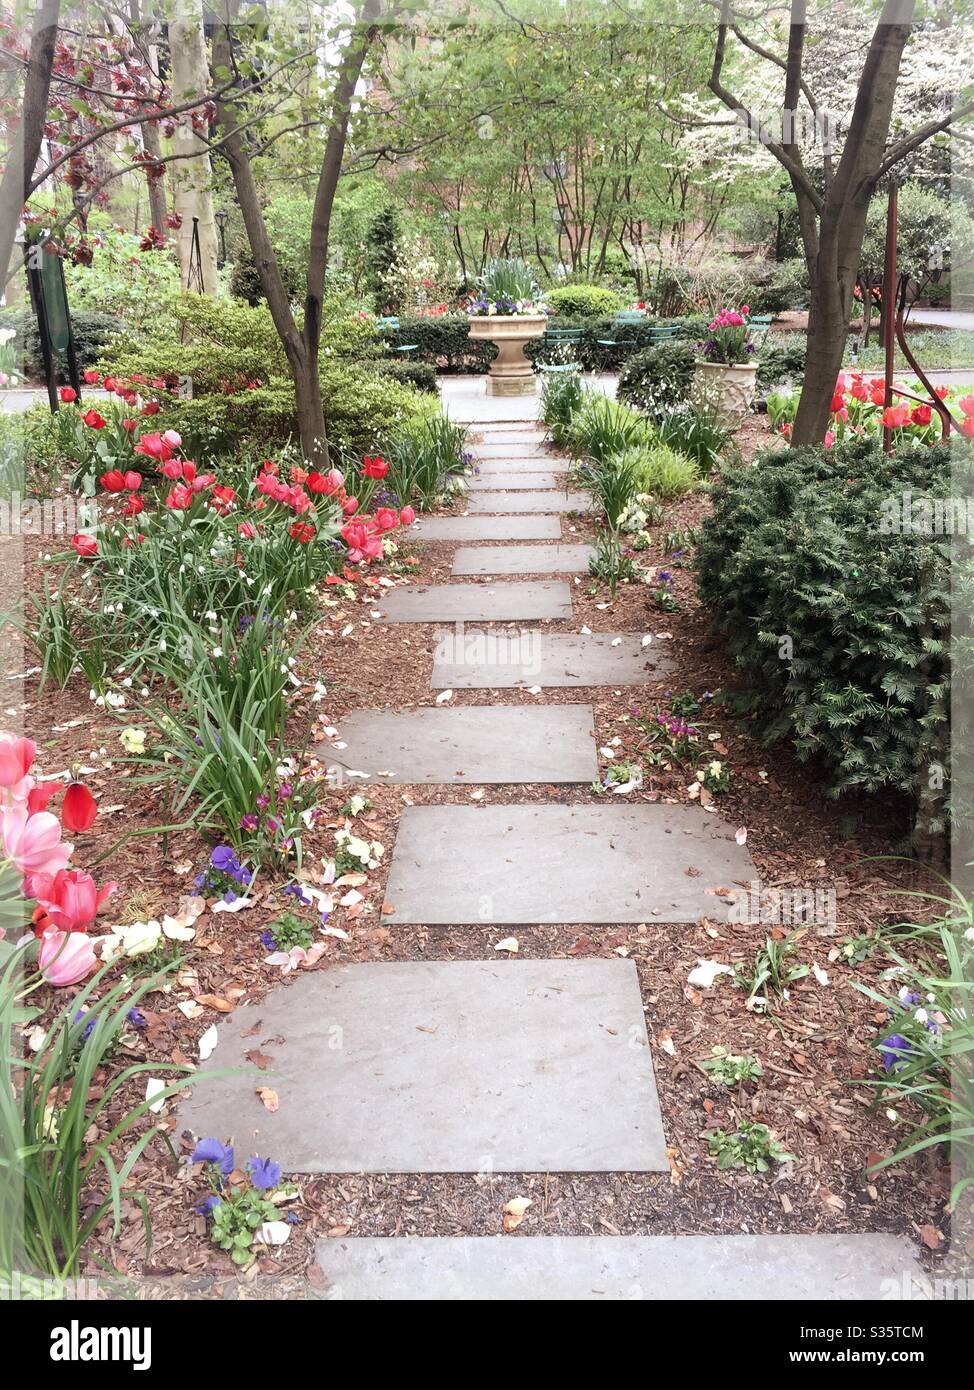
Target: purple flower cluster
{"x":264,"y":1173}
{"x":225,"y":870}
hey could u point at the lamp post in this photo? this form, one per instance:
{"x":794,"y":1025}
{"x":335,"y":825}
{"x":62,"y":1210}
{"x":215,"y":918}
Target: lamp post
{"x":221,"y":222}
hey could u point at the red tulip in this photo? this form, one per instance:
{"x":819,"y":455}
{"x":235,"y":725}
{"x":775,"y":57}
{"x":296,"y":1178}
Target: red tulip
{"x":16,"y":756}
{"x":78,"y":809}
{"x":91,"y":378}
{"x":302,"y":532}
{"x":68,"y":394}
{"x":350,"y":506}
{"x":67,"y":901}
{"x":967,"y":406}
{"x":248,"y":530}
{"x":407,"y":516}
{"x":921,"y":414}
{"x":93,"y":420}
{"x":896,"y":416}
{"x":40,"y":795}
{"x":967,"y":426}
{"x":133,"y":505}
{"x":375,"y":467}
{"x":386,"y":518}
{"x":113,"y":481}
{"x":86,"y":546}
{"x":151,"y":408}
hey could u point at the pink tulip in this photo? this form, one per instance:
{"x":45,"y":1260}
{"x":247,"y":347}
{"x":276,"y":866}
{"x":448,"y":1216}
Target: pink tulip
{"x":65,"y":958}
{"x":33,"y":843}
{"x":16,"y":756}
{"x":69,"y":899}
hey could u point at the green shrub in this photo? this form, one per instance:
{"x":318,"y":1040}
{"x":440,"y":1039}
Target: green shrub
{"x":658,"y":378}
{"x":614,"y":482}
{"x":422,"y":375}
{"x":444,"y":342}
{"x":840,"y":627}
{"x":93,"y":334}
{"x":782,"y":358}
{"x":784,"y":285}
{"x":601,"y":427}
{"x":584,"y":301}
{"x":662,"y":471}
{"x":632,"y":337}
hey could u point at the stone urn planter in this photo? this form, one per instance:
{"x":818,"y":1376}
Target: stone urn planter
{"x":728,"y":389}
{"x":511,"y":374}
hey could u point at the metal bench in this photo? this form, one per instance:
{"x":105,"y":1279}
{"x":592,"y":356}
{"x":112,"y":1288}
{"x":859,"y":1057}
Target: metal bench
{"x":386,"y":326}
{"x":758,"y":326}
{"x":561,"y":337}
{"x":626,"y":316}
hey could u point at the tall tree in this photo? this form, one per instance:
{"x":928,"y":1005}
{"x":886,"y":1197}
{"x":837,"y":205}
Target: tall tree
{"x":192,"y":178}
{"x":832,"y":218}
{"x":25,"y":150}
{"x":240,"y":146}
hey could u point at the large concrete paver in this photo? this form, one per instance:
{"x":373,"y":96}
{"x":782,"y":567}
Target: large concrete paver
{"x":462,"y":865}
{"x":522,"y":559}
{"x":554,"y":501}
{"x":447,"y":603}
{"x":697,"y":1269}
{"x":441,"y":1067}
{"x":479,"y":743}
{"x":486,"y":482}
{"x":484,"y":661}
{"x":486,"y":528}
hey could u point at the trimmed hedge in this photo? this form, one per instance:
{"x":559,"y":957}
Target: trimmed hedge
{"x":841,"y":627}
{"x":584,"y":301}
{"x":445,"y":342}
{"x":782,"y":359}
{"x":421,"y":375}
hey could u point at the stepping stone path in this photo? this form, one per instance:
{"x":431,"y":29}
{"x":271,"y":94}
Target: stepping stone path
{"x":500,"y":1065}
{"x":466,"y":603}
{"x":444,"y":1067}
{"x":481,"y":743}
{"x":548,"y":659}
{"x":551,"y":863}
{"x":528,"y":502}
{"x":484,"y":482}
{"x":616,"y":1268}
{"x":522,"y":559}
{"x":486,"y":528}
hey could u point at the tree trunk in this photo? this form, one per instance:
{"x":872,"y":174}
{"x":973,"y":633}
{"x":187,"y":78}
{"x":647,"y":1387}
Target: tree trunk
{"x":310,"y":410}
{"x":192,"y":177}
{"x":26,"y":146}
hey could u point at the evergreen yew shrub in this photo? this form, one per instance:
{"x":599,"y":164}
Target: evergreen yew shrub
{"x":841,"y":629}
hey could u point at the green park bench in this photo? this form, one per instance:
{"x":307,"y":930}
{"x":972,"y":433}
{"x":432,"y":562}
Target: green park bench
{"x":561,"y":337}
{"x":626,"y":316}
{"x":386,"y":327}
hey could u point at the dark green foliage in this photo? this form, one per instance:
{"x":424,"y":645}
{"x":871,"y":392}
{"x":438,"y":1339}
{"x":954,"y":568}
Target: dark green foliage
{"x":381,"y":244}
{"x":841,"y":628}
{"x":780,"y":286}
{"x":444,"y":342}
{"x":422,"y":375}
{"x":658,"y":378}
{"x":245,"y":282}
{"x":782,"y":358}
{"x":92,"y":334}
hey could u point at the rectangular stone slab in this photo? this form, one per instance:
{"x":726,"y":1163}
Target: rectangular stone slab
{"x":488,"y":468}
{"x":547,"y":863}
{"x":554,"y":501}
{"x":697,"y":1269}
{"x":509,"y":437}
{"x":484,"y":482}
{"x":479,"y":661}
{"x":479,"y":743}
{"x":495,"y":449}
{"x":485,"y":528}
{"x":522,"y":559}
{"x":442,"y":1067}
{"x":462,"y":603}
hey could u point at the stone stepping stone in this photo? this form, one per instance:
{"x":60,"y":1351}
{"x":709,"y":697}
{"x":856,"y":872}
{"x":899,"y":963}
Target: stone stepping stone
{"x":479,"y":743}
{"x":530,"y":471}
{"x":496,"y":449}
{"x":497,"y":502}
{"x":696,"y":1269}
{"x":483,"y":482}
{"x":462,"y":603}
{"x":462,"y":865}
{"x":486,"y":528}
{"x":522,"y":559}
{"x":441,"y":1067}
{"x":488,"y":661}
{"x":534,"y":439}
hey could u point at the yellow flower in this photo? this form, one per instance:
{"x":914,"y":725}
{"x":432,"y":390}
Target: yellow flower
{"x":133,"y":740}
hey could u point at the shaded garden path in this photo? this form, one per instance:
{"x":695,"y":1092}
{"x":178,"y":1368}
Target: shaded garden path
{"x":507,"y":1065}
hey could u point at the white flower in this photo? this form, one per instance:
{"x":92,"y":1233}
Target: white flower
{"x":921,"y":1015}
{"x":133,"y":740}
